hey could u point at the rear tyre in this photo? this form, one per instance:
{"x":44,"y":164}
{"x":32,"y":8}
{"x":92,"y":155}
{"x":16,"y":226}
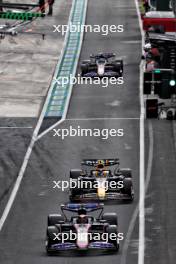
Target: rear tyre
{"x":54,"y":219}
{"x":118,"y":67}
{"x":75,"y":173}
{"x":111,"y":218}
{"x":127,"y":173}
{"x":74,"y":193}
{"x":84,"y":69}
{"x":128,"y":189}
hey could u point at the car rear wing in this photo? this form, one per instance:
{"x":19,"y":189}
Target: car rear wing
{"x":96,"y":162}
{"x":75,"y":207}
{"x":103,"y":55}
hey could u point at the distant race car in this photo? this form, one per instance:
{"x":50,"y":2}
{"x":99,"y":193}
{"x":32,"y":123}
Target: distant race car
{"x":101,"y":183}
{"x":79,"y":230}
{"x":102,"y":65}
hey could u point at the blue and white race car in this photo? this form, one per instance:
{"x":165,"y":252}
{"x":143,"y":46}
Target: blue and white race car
{"x":102,"y":65}
{"x":81,"y":230}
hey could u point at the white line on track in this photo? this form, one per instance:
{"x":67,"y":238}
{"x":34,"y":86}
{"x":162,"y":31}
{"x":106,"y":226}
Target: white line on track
{"x":50,"y":128}
{"x":15,"y":127}
{"x":141,"y":247}
{"x":136,"y":211}
{"x":150,"y":156}
{"x":102,"y":118}
{"x":17,"y":185}
{"x":142,"y":195}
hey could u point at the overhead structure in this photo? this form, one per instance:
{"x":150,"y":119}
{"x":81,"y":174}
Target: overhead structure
{"x":18,"y":5}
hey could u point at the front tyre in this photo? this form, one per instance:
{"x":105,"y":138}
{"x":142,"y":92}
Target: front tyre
{"x":84,"y":69}
{"x":128,"y":189}
{"x":113,"y":236}
{"x":50,"y":238}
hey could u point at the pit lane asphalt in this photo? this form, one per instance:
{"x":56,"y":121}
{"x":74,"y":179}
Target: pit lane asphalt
{"x":161,"y":196}
{"x":23,"y":89}
{"x":22,"y":237}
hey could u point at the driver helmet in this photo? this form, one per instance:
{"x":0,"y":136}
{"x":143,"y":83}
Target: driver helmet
{"x":82,"y":218}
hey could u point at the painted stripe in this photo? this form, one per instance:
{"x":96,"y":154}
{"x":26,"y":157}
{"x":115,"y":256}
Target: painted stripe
{"x":136,"y":211}
{"x":141,"y":247}
{"x":68,"y":61}
{"x":15,"y":127}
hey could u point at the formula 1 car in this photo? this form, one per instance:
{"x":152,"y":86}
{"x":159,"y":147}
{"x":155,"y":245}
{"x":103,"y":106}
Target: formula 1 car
{"x":102,"y":65}
{"x":100,"y":183}
{"x":81,"y":231}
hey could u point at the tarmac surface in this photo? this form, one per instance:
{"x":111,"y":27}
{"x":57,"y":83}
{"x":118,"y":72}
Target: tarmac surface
{"x":22,"y":238}
{"x":26,"y":66}
{"x":52,"y":157}
{"x":27,"y":63}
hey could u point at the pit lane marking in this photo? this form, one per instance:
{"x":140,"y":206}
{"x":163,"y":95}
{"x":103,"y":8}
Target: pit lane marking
{"x":10,"y":127}
{"x":137,"y":209}
{"x":102,"y":118}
